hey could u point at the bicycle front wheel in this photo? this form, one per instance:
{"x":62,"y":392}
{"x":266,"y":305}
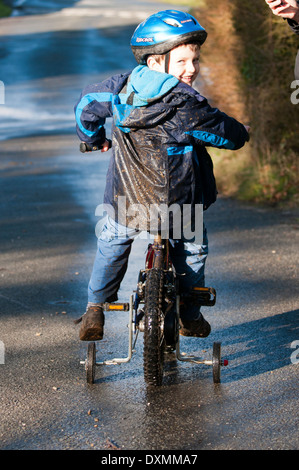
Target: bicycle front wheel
{"x":153,"y":344}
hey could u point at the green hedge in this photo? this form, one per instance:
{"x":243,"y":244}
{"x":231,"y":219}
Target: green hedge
{"x":4,"y":9}
{"x":250,"y":55}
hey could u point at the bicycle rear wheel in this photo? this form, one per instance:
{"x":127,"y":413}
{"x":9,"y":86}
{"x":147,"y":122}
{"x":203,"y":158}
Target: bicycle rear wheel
{"x":153,"y":341}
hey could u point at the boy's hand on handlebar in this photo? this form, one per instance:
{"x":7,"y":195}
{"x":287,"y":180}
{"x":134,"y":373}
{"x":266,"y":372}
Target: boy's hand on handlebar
{"x":84,"y":147}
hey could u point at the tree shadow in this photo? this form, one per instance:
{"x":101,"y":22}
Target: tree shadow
{"x":259,"y":346}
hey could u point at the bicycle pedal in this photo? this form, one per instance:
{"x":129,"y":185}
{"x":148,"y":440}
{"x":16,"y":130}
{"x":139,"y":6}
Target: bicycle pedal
{"x":205,"y":296}
{"x":115,"y":306}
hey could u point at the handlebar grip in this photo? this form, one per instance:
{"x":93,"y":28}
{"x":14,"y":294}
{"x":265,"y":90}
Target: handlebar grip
{"x":84,"y":147}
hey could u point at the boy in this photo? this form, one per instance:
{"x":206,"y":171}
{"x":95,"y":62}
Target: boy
{"x":161,"y":127}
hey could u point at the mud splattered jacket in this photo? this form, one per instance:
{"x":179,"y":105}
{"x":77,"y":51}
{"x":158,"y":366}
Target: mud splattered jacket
{"x":161,"y":128}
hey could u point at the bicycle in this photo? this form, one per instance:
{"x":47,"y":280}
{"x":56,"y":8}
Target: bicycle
{"x":154,"y":309}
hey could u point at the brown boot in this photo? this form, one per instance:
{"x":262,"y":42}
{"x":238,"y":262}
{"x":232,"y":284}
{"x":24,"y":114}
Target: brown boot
{"x":199,"y":328}
{"x":92,"y":327}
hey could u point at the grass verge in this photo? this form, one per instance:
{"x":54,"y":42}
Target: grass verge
{"x":248,"y":67}
{"x":4,"y":9}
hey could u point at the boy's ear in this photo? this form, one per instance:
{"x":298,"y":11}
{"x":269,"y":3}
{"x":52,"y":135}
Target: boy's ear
{"x":150,"y":62}
{"x":153,"y":64}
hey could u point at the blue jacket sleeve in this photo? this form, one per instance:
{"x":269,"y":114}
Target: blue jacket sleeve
{"x":211,"y":127}
{"x":94,"y":107}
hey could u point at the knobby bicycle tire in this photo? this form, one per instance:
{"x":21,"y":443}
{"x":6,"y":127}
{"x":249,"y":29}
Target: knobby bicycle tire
{"x":153,"y":341}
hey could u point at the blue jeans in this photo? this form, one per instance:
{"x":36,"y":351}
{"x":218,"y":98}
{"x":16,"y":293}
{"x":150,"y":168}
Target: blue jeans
{"x":111,"y":261}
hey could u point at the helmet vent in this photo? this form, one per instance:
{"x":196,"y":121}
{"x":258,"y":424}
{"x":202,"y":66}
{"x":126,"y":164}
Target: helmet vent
{"x":172,"y":22}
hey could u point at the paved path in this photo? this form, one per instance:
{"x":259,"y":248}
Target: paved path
{"x":49,"y":193}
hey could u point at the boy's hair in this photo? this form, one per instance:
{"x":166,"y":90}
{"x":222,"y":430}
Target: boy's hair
{"x":159,"y":57}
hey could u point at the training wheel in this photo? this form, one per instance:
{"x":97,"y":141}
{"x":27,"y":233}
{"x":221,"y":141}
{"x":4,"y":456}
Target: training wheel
{"x":90,"y":364}
{"x":216,"y":362}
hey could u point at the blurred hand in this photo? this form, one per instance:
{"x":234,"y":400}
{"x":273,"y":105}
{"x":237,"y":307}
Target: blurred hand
{"x":105,"y":146}
{"x":284,"y":9}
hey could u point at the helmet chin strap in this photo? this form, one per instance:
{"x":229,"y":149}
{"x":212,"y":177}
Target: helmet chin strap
{"x":167,"y":59}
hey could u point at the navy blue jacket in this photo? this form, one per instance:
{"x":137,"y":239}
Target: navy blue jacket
{"x":294,"y":25}
{"x":161,"y":128}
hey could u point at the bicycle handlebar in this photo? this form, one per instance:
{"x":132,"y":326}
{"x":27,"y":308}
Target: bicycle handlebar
{"x":84,"y":147}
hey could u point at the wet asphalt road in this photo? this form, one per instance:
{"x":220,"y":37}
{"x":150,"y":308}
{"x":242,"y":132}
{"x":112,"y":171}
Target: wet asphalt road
{"x":49,"y":193}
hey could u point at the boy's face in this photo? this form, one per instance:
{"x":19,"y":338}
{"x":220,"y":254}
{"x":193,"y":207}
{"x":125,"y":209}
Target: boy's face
{"x":183,"y":63}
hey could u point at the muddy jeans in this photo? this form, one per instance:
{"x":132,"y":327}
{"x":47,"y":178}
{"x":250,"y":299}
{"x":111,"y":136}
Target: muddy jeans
{"x":111,"y":261}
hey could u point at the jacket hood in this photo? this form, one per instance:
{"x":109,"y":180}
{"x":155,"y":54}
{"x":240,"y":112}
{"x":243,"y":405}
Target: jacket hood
{"x":144,"y":87}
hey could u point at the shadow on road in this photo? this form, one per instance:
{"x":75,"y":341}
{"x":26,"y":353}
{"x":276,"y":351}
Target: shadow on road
{"x":260,"y":346}
{"x":252,"y":348}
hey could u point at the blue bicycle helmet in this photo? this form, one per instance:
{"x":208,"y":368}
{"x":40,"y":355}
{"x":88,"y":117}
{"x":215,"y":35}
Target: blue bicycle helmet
{"x":163,"y":31}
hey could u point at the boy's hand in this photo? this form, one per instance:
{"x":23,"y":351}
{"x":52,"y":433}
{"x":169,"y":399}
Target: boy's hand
{"x":248,"y":131}
{"x":106,"y":145}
